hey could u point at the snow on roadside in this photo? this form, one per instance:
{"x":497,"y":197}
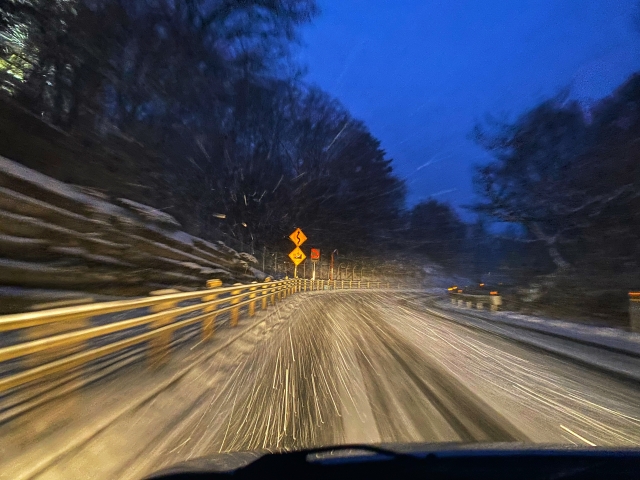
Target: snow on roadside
{"x":606,"y":336}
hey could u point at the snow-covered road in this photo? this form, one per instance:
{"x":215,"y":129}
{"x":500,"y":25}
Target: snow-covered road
{"x":324,"y":368}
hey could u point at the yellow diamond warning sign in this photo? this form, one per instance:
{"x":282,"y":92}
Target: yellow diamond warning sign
{"x":298,"y":237}
{"x":297,"y":256}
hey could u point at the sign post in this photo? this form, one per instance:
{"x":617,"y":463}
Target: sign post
{"x":297,"y":256}
{"x":315,"y":257}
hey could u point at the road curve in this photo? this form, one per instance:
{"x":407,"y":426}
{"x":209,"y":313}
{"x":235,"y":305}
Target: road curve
{"x":350,"y":367}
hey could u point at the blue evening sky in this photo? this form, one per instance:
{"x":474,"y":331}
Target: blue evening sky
{"x":421,"y":73}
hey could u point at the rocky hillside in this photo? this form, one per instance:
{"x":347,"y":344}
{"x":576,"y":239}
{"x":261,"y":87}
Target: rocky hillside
{"x":61,"y":244}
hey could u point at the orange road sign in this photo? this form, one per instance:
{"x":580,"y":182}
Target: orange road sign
{"x":315,"y":254}
{"x":298,"y":237}
{"x":297,"y":256}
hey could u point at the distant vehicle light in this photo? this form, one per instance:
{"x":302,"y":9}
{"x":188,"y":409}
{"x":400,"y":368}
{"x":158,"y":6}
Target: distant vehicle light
{"x":493,"y":293}
{"x":459,"y":291}
{"x":482,"y":284}
{"x":634,"y":294}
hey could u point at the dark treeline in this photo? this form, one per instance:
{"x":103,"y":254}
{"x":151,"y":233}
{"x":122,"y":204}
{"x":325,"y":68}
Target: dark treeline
{"x":564,"y":187}
{"x":236,"y":141}
{"x":571,"y":177}
{"x":565,"y":184}
{"x":240,"y":143}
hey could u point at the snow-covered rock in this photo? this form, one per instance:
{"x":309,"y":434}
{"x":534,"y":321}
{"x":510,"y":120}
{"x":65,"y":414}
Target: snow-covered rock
{"x":248,"y":258}
{"x":149,"y":214}
{"x":59,"y":237}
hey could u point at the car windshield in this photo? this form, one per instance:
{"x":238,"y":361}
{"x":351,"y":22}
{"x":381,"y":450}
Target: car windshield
{"x":273,"y":225}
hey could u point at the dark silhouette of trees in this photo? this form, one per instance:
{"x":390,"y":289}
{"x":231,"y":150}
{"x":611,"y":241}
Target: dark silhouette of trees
{"x":570,"y":177}
{"x":435,"y":230}
{"x":209,"y":89}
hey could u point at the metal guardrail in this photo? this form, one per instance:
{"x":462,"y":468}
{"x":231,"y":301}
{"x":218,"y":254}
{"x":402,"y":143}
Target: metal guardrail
{"x":493,"y":300}
{"x":49,"y":343}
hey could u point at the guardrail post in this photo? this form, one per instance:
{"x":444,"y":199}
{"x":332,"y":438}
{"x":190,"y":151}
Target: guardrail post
{"x":342,"y":284}
{"x":369,"y":285}
{"x":273,"y":293}
{"x":70,"y":402}
{"x":208,"y":326}
{"x":634,"y":311}
{"x":496,"y":301}
{"x":252,"y":305}
{"x":235,"y":312}
{"x":49,"y":330}
{"x":479,"y":305}
{"x":264,"y":293}
{"x":159,"y":345}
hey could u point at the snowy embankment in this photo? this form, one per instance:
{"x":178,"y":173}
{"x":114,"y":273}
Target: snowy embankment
{"x":62,"y":244}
